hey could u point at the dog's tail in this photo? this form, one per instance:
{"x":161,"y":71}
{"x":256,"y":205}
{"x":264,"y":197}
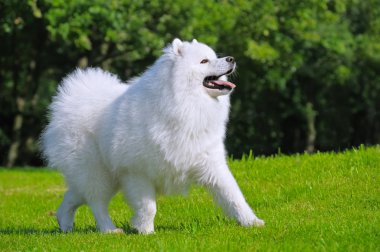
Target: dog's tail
{"x":81,"y":99}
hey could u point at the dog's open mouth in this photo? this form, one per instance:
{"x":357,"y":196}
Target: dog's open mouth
{"x":213,"y":82}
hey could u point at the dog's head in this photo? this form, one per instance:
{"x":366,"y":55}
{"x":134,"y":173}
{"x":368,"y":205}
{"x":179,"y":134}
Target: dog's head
{"x":203,"y":68}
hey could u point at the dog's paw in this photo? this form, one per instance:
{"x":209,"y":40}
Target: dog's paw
{"x":145,"y":230}
{"x":64,"y":225}
{"x":255,"y":222}
{"x":66,"y":228}
{"x":114,"y":231}
{"x":258,"y":223}
{"x":250,"y":220}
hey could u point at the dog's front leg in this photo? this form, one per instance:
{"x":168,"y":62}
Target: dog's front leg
{"x":227,"y":193}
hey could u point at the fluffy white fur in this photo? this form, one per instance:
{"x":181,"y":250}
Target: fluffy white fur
{"x":156,"y":135}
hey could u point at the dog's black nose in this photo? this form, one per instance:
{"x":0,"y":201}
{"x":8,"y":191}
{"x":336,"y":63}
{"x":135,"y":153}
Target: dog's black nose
{"x":230,"y":59}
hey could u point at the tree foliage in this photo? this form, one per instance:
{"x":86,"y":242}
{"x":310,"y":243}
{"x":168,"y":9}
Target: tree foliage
{"x":308,"y":72}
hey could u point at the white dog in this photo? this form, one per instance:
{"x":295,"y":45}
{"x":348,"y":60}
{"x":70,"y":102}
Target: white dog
{"x":156,"y":135}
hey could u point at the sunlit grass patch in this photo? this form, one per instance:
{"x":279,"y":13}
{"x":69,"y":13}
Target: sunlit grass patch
{"x":324,"y":201}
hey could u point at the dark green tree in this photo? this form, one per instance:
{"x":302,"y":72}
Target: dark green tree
{"x":308,"y":72}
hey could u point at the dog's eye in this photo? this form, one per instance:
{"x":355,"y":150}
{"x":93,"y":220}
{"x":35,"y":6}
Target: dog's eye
{"x":204,"y":61}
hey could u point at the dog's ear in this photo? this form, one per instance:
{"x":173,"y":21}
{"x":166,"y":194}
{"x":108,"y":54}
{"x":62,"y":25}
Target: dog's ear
{"x":177,"y":46}
{"x":194,"y":41}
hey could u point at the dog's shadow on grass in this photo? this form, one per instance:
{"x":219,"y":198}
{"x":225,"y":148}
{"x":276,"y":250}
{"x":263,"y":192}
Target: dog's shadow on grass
{"x":128,"y":230}
{"x":29,"y":231}
{"x":54,"y":231}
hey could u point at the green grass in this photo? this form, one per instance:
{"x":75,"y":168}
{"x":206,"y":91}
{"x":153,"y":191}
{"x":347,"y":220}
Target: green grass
{"x":320,"y":202}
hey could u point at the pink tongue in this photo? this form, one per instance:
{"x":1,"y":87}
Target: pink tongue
{"x":224,"y":83}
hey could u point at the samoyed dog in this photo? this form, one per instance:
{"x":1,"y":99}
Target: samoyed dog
{"x":154,"y":135}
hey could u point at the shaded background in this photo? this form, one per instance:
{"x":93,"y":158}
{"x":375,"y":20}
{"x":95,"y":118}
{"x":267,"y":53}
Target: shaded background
{"x":308,"y":71}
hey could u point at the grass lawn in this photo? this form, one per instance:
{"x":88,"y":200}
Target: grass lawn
{"x":320,"y":202}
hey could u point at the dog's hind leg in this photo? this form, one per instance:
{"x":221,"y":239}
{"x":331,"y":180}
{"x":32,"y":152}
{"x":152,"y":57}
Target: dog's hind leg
{"x":95,"y":187}
{"x":103,"y":220}
{"x":66,"y":211}
{"x":141,"y":196}
{"x":98,"y":196}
